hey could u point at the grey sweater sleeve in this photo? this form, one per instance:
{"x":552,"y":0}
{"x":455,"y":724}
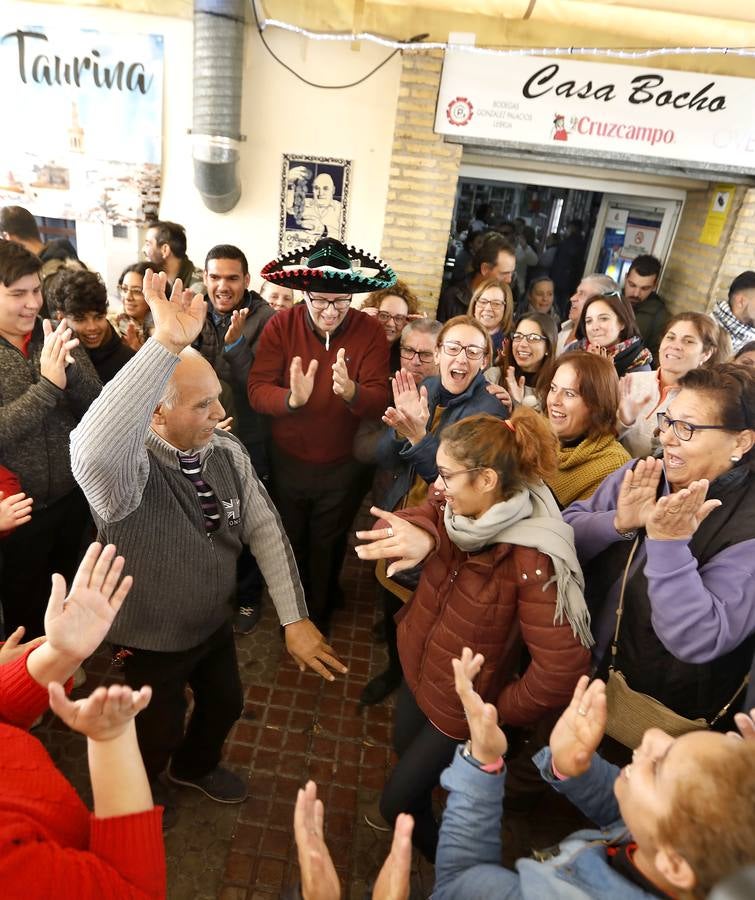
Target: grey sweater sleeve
{"x":23,"y":417}
{"x":82,"y":382}
{"x":263,"y":532}
{"x":108,"y":456}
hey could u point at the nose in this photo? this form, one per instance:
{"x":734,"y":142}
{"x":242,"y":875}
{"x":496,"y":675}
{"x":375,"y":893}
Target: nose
{"x":439,"y":486}
{"x":218,"y":411}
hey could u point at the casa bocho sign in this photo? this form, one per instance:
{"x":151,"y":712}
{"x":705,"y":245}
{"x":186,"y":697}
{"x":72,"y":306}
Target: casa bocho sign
{"x":598,"y":108}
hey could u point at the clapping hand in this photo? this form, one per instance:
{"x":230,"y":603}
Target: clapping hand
{"x":637,"y":494}
{"x":178,"y":321}
{"x":410,"y":413}
{"x":489,"y":743}
{"x":14,"y":511}
{"x":236,"y":328}
{"x":56,"y":352}
{"x":515,"y":387}
{"x":102,"y":716}
{"x":133,"y":338}
{"x":501,"y":394}
{"x":629,"y":406}
{"x":400,"y":541}
{"x":677,"y":517}
{"x":12,"y":647}
{"x":77,"y":624}
{"x":302,"y":383}
{"x":319,"y":879}
{"x":343,"y":386}
{"x":580,"y":729}
{"x":745,"y":724}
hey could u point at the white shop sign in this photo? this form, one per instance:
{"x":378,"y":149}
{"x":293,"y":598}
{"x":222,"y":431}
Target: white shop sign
{"x":598,"y":108}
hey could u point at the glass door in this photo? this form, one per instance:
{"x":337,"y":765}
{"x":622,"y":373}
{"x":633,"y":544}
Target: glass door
{"x":627,"y":227}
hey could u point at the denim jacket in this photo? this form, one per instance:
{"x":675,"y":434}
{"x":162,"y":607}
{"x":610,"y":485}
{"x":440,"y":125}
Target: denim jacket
{"x":406,"y":460}
{"x":467,"y":863}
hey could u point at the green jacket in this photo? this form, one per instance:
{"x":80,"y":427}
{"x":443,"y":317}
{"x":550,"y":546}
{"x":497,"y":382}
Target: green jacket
{"x":652,"y":316}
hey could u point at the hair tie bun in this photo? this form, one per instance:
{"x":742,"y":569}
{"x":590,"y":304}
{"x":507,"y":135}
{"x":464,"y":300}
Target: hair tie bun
{"x":509,"y":424}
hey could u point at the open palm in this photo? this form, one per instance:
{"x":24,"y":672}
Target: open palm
{"x":77,"y":624}
{"x":580,"y":729}
{"x":178,"y":320}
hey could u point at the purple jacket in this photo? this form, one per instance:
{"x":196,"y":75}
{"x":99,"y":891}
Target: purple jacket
{"x":699,"y":614}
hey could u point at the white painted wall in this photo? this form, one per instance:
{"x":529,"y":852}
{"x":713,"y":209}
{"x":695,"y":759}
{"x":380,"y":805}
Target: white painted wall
{"x":280,"y":115}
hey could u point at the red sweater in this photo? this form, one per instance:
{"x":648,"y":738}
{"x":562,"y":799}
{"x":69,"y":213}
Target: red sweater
{"x":9,"y":485}
{"x":50,"y":844}
{"x":321,"y":431}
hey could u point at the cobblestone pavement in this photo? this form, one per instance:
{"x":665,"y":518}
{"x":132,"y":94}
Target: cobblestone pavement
{"x":296,"y":726}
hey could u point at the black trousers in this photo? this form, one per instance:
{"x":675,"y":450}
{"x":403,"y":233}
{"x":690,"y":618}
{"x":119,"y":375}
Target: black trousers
{"x":424,"y":752}
{"x":51,"y":542}
{"x":317,"y":504}
{"x":211,"y":671}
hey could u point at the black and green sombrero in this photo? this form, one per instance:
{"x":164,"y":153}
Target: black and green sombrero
{"x":331,"y":267}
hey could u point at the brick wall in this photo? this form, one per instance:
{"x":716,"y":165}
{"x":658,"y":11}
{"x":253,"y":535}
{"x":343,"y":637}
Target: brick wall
{"x":422,"y":183}
{"x":695,"y":272}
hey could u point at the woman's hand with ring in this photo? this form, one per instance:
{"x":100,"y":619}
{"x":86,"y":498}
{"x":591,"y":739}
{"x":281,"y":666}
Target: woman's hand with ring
{"x":399,"y":540}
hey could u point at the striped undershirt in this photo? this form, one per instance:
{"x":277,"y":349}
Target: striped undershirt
{"x":192,"y":469}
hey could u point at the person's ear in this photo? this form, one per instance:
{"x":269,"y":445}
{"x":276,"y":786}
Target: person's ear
{"x":158,"y":416}
{"x":485,"y":269}
{"x":204,"y":277}
{"x":165,"y":250}
{"x":675,"y":869}
{"x":487,"y":480}
{"x":247,"y":279}
{"x":744,"y":442}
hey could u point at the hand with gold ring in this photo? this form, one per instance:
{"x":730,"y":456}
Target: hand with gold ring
{"x":580,"y":729}
{"x":399,"y":540}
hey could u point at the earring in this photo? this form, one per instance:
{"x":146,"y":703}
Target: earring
{"x":735,"y":459}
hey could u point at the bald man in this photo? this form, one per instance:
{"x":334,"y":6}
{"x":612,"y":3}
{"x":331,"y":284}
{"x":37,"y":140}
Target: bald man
{"x":181,"y":498}
{"x":323,"y":210}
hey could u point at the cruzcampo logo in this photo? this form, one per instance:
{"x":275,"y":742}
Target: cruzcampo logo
{"x":459,"y":111}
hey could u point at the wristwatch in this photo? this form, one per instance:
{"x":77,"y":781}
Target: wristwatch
{"x":491,"y":768}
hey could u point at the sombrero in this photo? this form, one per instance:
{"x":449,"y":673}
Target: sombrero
{"x":331,"y":267}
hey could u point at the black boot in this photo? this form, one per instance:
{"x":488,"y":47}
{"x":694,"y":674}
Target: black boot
{"x":380,"y":687}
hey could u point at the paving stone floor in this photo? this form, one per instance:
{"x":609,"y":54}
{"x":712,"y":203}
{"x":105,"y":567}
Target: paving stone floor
{"x":295,"y":726}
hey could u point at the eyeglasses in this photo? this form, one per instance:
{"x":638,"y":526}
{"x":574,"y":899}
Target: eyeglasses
{"x":386,"y":317}
{"x":684,"y":430}
{"x":444,"y":476}
{"x":454,"y":348}
{"x":530,"y":338}
{"x":493,"y":304}
{"x":320,"y":303}
{"x":425,"y":356}
{"x":136,"y":291}
{"x":611,"y":294}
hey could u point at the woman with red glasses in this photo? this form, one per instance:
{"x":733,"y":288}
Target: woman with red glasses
{"x":393,"y":307}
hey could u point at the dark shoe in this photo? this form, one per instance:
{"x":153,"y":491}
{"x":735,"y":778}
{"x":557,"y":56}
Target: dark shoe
{"x":380,"y":687}
{"x":374,"y":818}
{"x":246,"y":619}
{"x":163,"y":796}
{"x":220,"y":785}
{"x":378,"y":632}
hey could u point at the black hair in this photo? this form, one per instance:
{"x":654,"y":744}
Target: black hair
{"x":16,"y":261}
{"x":76,"y":292}
{"x":227,"y":251}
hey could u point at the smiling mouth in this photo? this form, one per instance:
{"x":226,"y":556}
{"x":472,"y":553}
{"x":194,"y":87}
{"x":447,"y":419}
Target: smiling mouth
{"x":458,"y":374}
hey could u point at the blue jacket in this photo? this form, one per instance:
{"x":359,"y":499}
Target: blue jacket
{"x":406,"y":460}
{"x":467,"y":864}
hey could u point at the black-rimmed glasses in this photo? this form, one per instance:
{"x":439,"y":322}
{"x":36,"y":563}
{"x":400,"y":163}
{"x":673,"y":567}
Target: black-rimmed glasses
{"x":530,"y":338}
{"x":444,"y":476}
{"x":425,"y":356}
{"x":684,"y":430}
{"x":320,"y":303}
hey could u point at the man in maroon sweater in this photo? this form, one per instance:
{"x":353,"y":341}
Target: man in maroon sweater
{"x":320,"y":368}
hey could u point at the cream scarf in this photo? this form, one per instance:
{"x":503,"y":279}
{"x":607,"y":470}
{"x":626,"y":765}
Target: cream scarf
{"x":531,"y":518}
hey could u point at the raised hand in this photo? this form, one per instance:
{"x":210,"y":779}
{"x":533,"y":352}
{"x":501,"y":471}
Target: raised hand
{"x":401,"y":541}
{"x":392,"y":882}
{"x":225,"y":424}
{"x":14,"y":510}
{"x":178,"y":321}
{"x":576,"y":735}
{"x":12,"y":647}
{"x":133,"y":338}
{"x":302,"y":383}
{"x":515,"y":388}
{"x":56,"y":352}
{"x":489,"y":743}
{"x":678,"y":516}
{"x":77,"y":624}
{"x":637,"y":494}
{"x":501,"y":394}
{"x":410,"y":413}
{"x":309,"y":649}
{"x":746,"y":725}
{"x":629,"y":406}
{"x":319,"y":879}
{"x":343,"y":386}
{"x":102,"y":716}
{"x":236,"y":328}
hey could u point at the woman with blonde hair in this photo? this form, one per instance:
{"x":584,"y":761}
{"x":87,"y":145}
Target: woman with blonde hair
{"x":492,"y":304}
{"x":500,"y":573}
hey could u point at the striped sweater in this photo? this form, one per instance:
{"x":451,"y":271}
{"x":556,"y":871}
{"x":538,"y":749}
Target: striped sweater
{"x":142,"y":502}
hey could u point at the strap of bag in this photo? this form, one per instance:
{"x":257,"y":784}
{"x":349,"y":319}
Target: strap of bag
{"x":615,"y":643}
{"x":620,"y":607}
